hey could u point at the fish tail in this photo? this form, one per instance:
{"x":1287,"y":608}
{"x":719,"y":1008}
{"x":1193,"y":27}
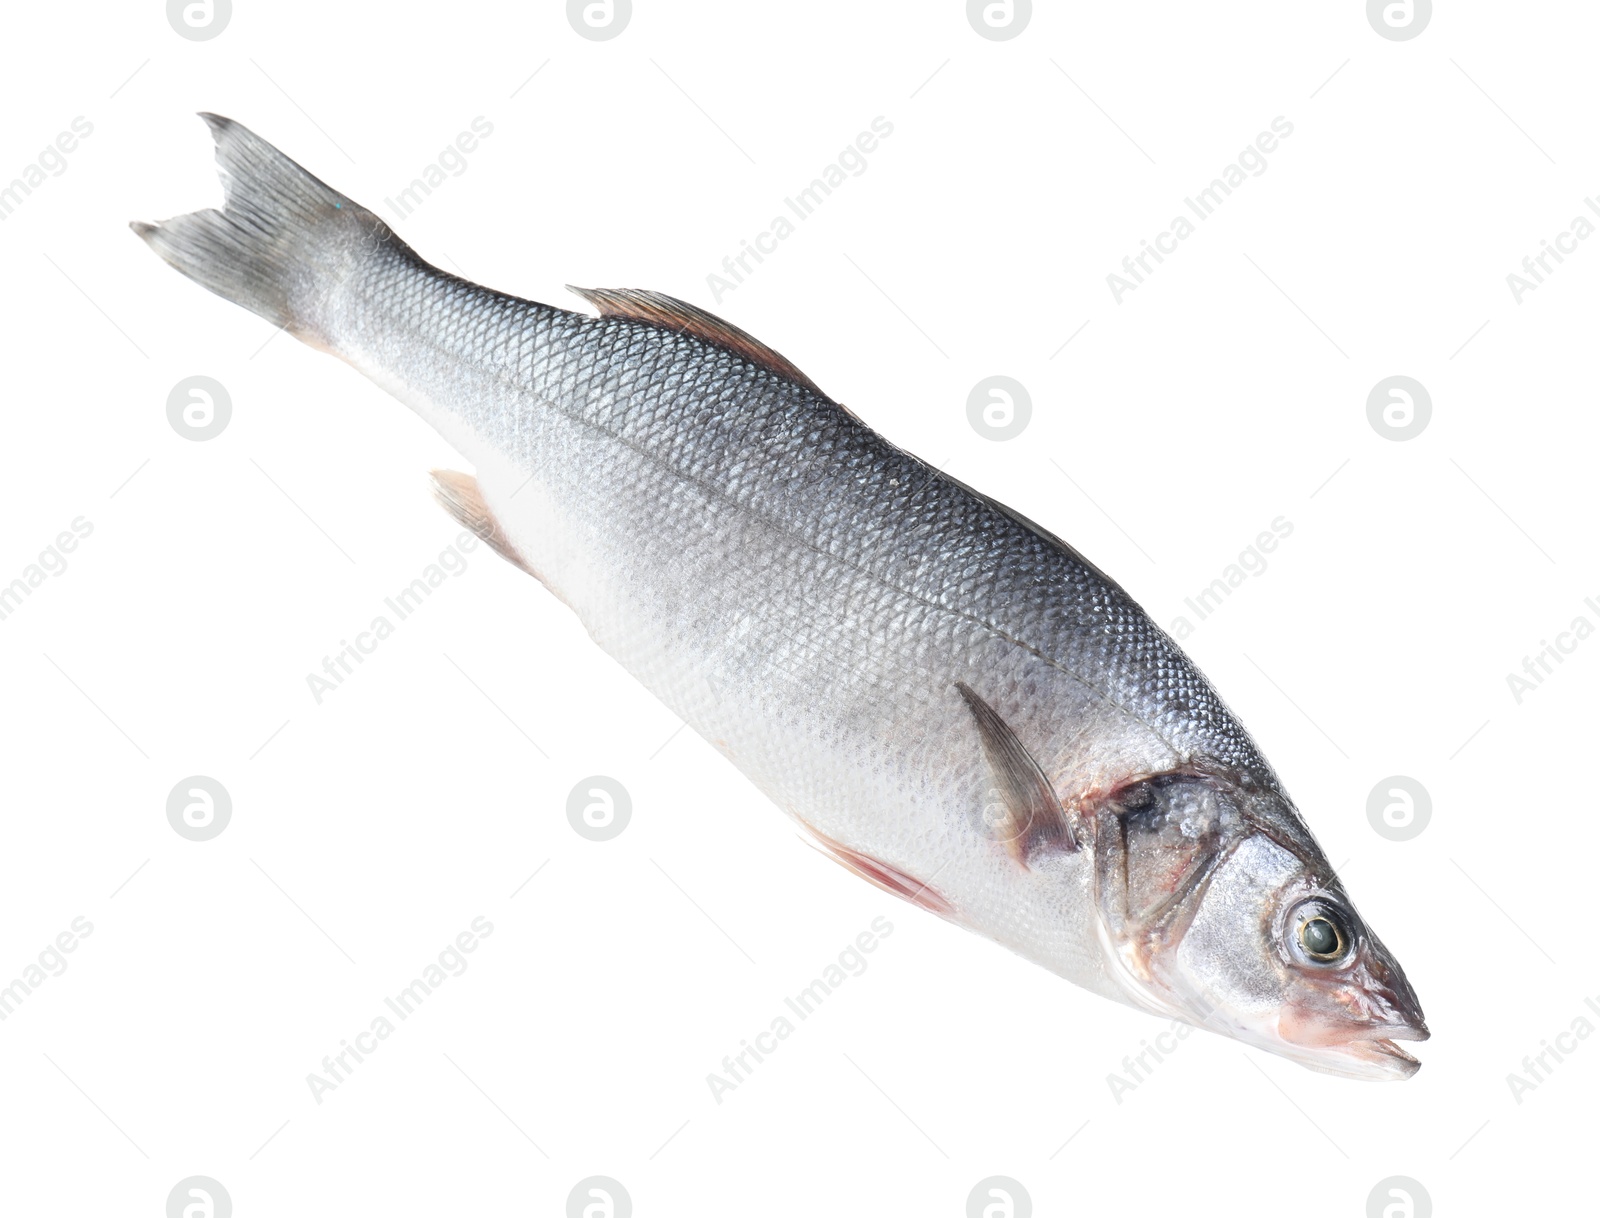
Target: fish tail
{"x":282,"y":242}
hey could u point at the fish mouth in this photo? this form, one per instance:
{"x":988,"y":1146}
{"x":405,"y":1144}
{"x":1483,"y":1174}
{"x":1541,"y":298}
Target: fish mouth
{"x":1376,"y":1058}
{"x":1338,"y":1046}
{"x":1350,"y":1029}
{"x":1368,"y":1052}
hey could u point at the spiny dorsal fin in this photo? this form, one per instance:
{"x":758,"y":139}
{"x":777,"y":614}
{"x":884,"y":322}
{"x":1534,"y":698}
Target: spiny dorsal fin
{"x":459,"y":495}
{"x":1031,"y":814}
{"x":657,"y":309}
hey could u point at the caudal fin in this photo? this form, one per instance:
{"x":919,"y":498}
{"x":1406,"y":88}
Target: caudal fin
{"x":282,"y":242}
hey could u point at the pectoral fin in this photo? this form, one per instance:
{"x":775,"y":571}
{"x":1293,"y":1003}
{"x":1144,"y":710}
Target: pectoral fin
{"x":1030,"y":815}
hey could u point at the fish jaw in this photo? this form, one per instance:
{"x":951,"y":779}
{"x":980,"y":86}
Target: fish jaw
{"x":1349,"y":1047}
{"x":1364,"y":1051}
{"x":1368,"y":1054}
{"x":1378,"y":1059}
{"x":1352,"y":1050}
{"x":1351,"y":1029}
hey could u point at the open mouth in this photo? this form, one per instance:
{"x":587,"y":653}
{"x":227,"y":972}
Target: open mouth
{"x":1383,"y":1050}
{"x":1368,"y":1055}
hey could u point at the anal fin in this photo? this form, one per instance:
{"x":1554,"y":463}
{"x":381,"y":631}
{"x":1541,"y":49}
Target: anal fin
{"x":459,"y":495}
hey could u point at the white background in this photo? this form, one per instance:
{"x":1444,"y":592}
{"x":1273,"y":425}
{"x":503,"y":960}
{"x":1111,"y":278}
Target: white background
{"x":369,"y":830}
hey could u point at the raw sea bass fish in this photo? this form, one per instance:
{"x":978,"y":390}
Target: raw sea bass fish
{"x":951,"y":701}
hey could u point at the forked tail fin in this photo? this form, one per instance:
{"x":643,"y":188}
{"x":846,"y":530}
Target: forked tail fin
{"x":283,"y":242}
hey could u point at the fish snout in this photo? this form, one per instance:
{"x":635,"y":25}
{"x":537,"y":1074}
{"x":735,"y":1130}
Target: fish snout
{"x":1358,"y":1010}
{"x":1394,"y":1002}
{"x":1350,"y":1027}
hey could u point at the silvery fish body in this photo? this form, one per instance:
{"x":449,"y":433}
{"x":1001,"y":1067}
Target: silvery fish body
{"x":948,"y":698}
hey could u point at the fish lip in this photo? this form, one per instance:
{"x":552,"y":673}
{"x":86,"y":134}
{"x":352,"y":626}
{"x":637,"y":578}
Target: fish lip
{"x":1309,"y":1032}
{"x":1388,"y":1048}
{"x":1370,"y":1059}
{"x":1387,"y":1059}
{"x":1390,"y":1032}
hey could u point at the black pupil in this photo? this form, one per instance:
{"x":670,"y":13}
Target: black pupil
{"x":1320,"y":937}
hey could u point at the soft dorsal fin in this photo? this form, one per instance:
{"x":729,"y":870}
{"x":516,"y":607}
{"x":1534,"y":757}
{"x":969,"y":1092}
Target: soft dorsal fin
{"x":459,"y":495}
{"x":1032,"y":815}
{"x":657,"y":309}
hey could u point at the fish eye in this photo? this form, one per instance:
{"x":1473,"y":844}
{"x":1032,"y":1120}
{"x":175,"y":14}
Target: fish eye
{"x":1320,"y":938}
{"x":1321,"y":933}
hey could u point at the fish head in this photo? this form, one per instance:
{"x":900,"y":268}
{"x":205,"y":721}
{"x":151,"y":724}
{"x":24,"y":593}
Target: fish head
{"x":1218,"y":907}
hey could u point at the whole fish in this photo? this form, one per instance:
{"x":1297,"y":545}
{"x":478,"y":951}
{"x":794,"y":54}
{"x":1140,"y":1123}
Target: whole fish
{"x":950,"y":700}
